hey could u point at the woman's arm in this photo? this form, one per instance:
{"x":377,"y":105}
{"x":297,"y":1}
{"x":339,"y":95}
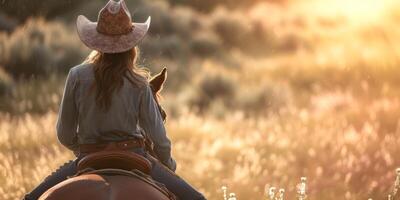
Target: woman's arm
{"x":68,"y":115}
{"x":151,"y":121}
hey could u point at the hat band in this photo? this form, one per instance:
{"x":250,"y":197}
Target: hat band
{"x":113,"y":29}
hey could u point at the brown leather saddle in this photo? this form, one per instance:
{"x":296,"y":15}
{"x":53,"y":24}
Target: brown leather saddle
{"x":114,"y":155}
{"x":115,"y":159}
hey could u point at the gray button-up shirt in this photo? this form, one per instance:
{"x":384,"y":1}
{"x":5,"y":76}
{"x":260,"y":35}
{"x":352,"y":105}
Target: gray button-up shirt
{"x":80,"y":121}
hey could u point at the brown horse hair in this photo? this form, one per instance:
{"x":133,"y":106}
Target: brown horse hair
{"x":109,"y":72}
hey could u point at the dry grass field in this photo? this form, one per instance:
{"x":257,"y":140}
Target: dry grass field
{"x":342,"y":160}
{"x":276,"y":92}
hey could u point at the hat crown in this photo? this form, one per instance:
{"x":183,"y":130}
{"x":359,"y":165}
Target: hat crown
{"x":114,"y":19}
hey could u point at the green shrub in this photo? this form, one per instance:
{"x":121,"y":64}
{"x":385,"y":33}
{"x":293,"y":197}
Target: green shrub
{"x":161,"y":19}
{"x":263,"y":99}
{"x":22,"y":9}
{"x":3,"y":47}
{"x":168,"y":47}
{"x":236,"y":31}
{"x":38,"y":95}
{"x":6,"y":23}
{"x":216,"y":87}
{"x":167,"y":20}
{"x":204,"y":5}
{"x":40,"y":47}
{"x":231,"y":28}
{"x":6,"y":83}
{"x":205,"y":45}
{"x":209,"y":5}
{"x":186,"y":22}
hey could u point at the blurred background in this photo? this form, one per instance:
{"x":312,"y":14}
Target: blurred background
{"x":259,"y":92}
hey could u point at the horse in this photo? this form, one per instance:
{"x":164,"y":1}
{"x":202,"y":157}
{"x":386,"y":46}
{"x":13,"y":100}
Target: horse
{"x":115,"y":175}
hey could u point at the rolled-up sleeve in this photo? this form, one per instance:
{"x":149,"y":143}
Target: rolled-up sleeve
{"x":68,"y":115}
{"x":151,"y":121}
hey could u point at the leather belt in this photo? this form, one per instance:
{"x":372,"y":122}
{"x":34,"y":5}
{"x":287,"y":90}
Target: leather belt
{"x":121,"y":145}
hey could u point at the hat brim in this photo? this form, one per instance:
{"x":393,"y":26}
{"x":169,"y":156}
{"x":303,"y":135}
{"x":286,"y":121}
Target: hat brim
{"x":110,"y":43}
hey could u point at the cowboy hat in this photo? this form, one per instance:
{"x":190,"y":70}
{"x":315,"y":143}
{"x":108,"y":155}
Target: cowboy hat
{"x":114,"y":31}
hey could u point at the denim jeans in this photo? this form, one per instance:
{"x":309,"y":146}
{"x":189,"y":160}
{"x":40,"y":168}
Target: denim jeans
{"x":159,"y":173}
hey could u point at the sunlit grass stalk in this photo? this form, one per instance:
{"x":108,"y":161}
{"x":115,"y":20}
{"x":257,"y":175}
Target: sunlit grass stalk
{"x":281,"y":194}
{"x":302,"y":189}
{"x":224,"y":189}
{"x":396,"y":186}
{"x":232,"y":196}
{"x":271,"y":193}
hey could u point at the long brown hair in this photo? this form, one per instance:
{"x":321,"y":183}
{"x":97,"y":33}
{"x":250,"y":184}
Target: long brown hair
{"x":109,"y":72}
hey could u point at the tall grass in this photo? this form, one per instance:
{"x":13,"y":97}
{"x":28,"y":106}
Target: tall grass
{"x":246,"y":154}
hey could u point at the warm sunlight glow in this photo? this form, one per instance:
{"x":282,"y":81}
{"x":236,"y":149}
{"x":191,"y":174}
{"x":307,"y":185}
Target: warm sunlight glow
{"x":265,"y":99}
{"x":355,"y":10}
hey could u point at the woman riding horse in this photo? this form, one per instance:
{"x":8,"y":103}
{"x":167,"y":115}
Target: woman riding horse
{"x":107,"y":99}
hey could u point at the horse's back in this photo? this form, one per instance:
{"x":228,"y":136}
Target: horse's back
{"x":103,"y":187}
